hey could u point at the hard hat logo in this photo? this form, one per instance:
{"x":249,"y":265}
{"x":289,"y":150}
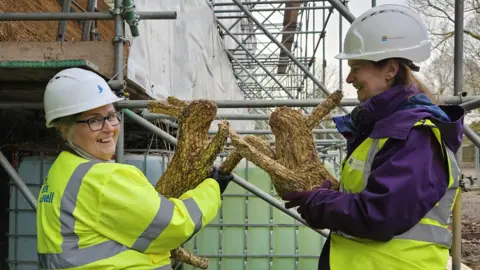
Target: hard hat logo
{"x":83,"y":85}
{"x":387,"y":31}
{"x":387,"y":38}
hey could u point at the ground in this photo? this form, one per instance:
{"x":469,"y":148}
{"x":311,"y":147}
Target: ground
{"x":471,"y":229}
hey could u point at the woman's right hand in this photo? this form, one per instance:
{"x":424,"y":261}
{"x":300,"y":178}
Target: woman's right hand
{"x":223,"y":179}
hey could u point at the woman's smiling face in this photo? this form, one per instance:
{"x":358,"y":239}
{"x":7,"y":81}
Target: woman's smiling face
{"x":369,"y":79}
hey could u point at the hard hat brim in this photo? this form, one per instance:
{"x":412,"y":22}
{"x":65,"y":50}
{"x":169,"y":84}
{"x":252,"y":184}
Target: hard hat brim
{"x":415,"y":54}
{"x":78,"y":108}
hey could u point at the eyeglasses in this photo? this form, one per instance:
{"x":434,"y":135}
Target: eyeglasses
{"x":98,"y":122}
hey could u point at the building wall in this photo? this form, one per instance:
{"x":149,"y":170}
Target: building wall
{"x":184,"y":57}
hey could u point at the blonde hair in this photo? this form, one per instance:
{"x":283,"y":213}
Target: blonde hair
{"x":406,"y":77}
{"x":65,"y":126}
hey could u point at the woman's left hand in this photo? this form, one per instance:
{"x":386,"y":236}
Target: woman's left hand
{"x":304,"y":200}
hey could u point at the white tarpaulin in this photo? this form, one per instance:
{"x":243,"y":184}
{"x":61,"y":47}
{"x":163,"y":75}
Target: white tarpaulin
{"x":185,"y":57}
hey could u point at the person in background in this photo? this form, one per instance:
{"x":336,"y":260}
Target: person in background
{"x":94,"y":213}
{"x":399,"y":179}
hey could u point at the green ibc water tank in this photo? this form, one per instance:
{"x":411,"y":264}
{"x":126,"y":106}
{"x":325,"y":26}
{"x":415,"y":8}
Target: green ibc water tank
{"x":248,"y":233}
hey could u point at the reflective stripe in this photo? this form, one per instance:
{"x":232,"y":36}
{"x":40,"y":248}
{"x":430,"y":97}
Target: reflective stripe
{"x":341,"y":188}
{"x":420,"y":232}
{"x":368,"y":163}
{"x":441,"y":213}
{"x":155,"y":228}
{"x":195,"y":213}
{"x":160,"y":222}
{"x":428,"y":233}
{"x":75,"y":257}
{"x":455,"y":169}
{"x":72,"y":255}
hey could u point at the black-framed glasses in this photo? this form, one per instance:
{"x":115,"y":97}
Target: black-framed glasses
{"x":98,"y":122}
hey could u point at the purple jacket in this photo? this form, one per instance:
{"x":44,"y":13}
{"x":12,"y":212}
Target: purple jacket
{"x":408,"y":175}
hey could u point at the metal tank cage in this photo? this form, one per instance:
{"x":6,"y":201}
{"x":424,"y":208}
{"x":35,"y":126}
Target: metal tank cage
{"x":269,"y":72}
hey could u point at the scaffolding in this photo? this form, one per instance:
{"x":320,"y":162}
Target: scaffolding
{"x":274,"y":60}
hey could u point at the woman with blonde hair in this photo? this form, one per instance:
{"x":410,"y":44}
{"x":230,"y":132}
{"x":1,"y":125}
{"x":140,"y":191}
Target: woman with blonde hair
{"x":399,"y":179}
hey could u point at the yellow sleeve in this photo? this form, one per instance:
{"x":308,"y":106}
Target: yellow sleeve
{"x":134,"y":214}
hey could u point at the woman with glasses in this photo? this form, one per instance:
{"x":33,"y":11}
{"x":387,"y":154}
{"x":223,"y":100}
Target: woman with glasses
{"x":94,"y":213}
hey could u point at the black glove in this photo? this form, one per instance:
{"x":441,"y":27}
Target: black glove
{"x":222,"y":178}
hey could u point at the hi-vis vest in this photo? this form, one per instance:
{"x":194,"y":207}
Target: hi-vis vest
{"x":424,"y":247}
{"x":97,"y":215}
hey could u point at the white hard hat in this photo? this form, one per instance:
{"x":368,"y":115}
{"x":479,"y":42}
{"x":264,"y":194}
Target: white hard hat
{"x":75,"y":90}
{"x":387,"y":31}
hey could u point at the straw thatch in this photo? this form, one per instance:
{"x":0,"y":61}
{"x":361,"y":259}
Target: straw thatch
{"x":294,"y":164}
{"x":47,"y":30}
{"x":194,"y":157}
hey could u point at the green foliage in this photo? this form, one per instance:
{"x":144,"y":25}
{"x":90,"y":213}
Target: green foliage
{"x":475,"y":126}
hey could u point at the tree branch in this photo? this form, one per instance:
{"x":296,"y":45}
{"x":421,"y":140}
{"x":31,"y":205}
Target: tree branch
{"x":473,"y":35}
{"x":450,"y":34}
{"x":440,"y":10}
{"x":476,"y":6}
{"x":441,"y":42}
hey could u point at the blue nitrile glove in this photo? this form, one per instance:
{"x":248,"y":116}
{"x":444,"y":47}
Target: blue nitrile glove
{"x":223,"y":179}
{"x":304,"y":201}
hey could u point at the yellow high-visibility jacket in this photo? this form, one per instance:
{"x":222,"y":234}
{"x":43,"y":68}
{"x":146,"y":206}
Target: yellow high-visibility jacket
{"x":98,"y":215}
{"x":425,"y":246}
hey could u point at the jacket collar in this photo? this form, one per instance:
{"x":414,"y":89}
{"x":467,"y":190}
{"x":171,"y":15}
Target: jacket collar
{"x":373,"y":110}
{"x":393,"y":113}
{"x":390,"y":114}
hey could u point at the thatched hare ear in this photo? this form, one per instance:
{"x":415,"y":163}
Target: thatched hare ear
{"x":194,"y":156}
{"x":294,"y":164}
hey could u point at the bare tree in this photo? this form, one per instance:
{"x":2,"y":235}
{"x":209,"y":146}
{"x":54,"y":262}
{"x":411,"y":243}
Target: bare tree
{"x":439,"y":16}
{"x":438,"y":73}
{"x":330,"y":78}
